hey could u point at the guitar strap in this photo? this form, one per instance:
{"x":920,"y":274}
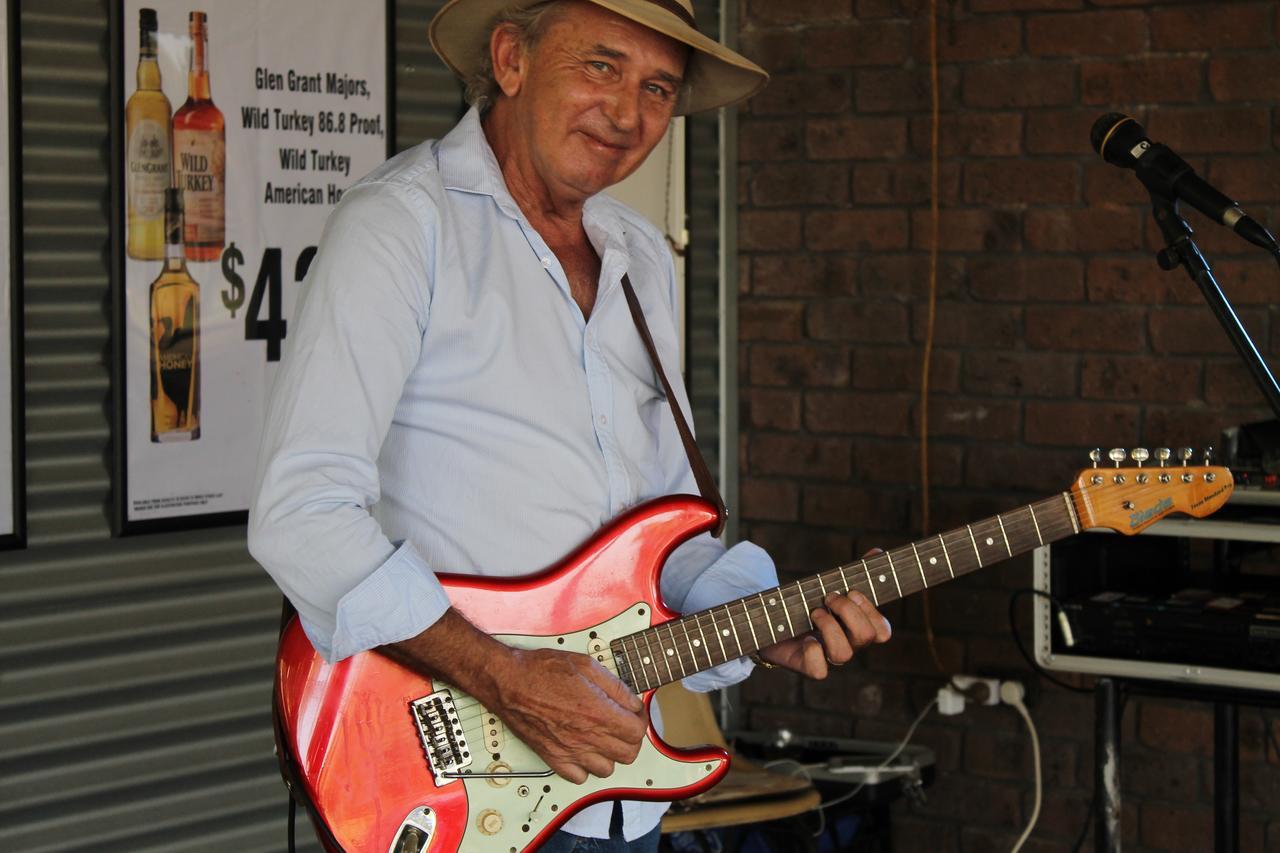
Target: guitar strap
{"x":706,"y":483}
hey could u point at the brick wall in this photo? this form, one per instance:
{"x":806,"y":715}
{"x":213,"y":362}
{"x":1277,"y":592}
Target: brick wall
{"x":1056,"y":332}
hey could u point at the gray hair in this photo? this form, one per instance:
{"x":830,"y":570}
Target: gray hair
{"x":529,"y":23}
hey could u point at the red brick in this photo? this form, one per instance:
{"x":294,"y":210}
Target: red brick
{"x":1081,"y":424}
{"x":772,"y":139}
{"x":1060,"y":132}
{"x":964,"y":134}
{"x":804,"y":275}
{"x":889,"y":8}
{"x":759,"y":320}
{"x":975,"y":417}
{"x":808,"y":184}
{"x":769,"y":500}
{"x":776,"y":50}
{"x":1212,"y":27}
{"x":861,"y":322}
{"x":1246,"y":179}
{"x":1020,"y":374}
{"x":799,"y":365}
{"x":1229,"y":383}
{"x":768,"y":230}
{"x":861,"y":230}
{"x":1137,"y":378}
{"x":791,"y":94}
{"x":1244,"y":78}
{"x":1022,"y":182}
{"x":900,"y":90}
{"x":1019,"y":84}
{"x":1026,"y":278}
{"x":1107,"y":186}
{"x":969,"y":230}
{"x":764,"y":12}
{"x":1091,"y":229}
{"x":1176,"y":728}
{"x":1139,"y":281}
{"x":1085,"y":328}
{"x":856,"y":138}
{"x":981,"y":38}
{"x":967,"y":324}
{"x":848,"y":506}
{"x":1141,"y":81}
{"x":772,"y":409}
{"x":1212,"y":130}
{"x":906,"y":277}
{"x":1000,"y":466}
{"x":1176,"y":828}
{"x":1174,"y":778}
{"x":974,"y":802}
{"x":800,"y":456}
{"x":898,"y":462}
{"x":1193,"y":425}
{"x":1087,"y":34}
{"x":904,"y":183}
{"x":1194,"y":330}
{"x":860,"y":42}
{"x":808,"y":552}
{"x":1021,"y":5}
{"x":885,"y":368}
{"x":858,"y":413}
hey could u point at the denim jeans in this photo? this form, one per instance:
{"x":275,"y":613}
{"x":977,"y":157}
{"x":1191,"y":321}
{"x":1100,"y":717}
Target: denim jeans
{"x":564,"y":842}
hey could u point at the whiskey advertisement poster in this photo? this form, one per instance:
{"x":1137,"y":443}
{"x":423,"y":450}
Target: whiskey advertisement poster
{"x":11,"y":525}
{"x":241,"y":123}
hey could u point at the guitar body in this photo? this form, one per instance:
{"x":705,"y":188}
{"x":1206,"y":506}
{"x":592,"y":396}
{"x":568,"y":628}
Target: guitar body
{"x":358,"y":732}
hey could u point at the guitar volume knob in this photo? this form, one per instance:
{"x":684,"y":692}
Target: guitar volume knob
{"x":489,"y":822}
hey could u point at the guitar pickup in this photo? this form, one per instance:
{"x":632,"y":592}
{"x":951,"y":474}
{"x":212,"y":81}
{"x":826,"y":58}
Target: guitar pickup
{"x":443,"y":739}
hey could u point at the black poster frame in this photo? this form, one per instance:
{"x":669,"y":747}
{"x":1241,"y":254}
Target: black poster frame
{"x":121,"y":525}
{"x":17,"y":375}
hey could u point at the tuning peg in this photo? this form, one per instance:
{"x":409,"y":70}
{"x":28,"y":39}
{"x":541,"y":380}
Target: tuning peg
{"x":1096,"y":456}
{"x":1117,"y":455}
{"x":1139,"y":455}
{"x":1208,"y":455}
{"x":1163,"y":454}
{"x":1185,"y":454}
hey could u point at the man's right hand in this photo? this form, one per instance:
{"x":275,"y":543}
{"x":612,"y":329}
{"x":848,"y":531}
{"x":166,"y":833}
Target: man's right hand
{"x":566,"y":707}
{"x":571,"y":711}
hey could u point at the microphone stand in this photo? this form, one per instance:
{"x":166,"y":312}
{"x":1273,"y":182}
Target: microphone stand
{"x":1181,"y":249}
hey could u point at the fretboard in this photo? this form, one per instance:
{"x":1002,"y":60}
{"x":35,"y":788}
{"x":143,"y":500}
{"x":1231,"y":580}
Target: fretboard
{"x":696,"y":642}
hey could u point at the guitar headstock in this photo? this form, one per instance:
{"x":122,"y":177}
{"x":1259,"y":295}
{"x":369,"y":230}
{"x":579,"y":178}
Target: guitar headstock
{"x":1132,"y":498}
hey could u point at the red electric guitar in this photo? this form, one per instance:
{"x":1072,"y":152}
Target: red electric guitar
{"x":391,"y":762}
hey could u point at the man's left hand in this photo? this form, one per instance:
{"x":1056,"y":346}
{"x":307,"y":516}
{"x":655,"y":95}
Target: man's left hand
{"x":844,"y":625}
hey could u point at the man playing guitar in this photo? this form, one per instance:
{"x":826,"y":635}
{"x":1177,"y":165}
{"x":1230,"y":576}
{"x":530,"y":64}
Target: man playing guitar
{"x":464,"y":389}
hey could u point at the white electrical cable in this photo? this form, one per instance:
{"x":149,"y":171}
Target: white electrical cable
{"x":1011,"y":694}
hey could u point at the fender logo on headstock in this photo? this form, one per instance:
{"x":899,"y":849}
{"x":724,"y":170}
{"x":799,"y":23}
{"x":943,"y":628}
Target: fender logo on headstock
{"x":1142,"y":516}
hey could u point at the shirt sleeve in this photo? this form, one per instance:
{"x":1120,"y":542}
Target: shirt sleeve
{"x":357,"y":335}
{"x":701,"y":573}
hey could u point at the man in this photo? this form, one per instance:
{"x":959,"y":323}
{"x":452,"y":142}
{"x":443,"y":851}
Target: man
{"x":466,"y":390}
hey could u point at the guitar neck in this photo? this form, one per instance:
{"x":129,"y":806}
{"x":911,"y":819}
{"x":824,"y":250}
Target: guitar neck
{"x":696,"y":642}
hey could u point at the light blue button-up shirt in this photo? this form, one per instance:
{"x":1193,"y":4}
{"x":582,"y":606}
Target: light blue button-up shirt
{"x":443,"y":404}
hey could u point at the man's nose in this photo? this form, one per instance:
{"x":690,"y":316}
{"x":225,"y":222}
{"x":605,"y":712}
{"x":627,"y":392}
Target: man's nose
{"x":624,"y":108}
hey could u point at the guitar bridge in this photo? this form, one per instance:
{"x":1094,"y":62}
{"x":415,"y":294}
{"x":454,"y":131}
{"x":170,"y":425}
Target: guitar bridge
{"x":443,"y":739}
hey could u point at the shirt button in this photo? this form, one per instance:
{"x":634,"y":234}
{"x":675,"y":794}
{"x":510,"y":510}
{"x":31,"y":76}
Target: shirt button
{"x":546,"y":263}
{"x":603,"y":420}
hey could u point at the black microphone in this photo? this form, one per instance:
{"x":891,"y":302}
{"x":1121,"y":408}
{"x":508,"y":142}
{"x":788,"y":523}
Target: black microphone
{"x":1123,"y":142}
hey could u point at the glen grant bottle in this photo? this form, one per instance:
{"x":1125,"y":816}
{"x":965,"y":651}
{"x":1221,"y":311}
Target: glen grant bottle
{"x":175,"y":338}
{"x":146,"y":121}
{"x":199,"y":150}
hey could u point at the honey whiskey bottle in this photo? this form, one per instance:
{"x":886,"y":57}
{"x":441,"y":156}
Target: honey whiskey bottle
{"x":175,"y":337}
{"x":199,"y":144}
{"x":147,"y":169}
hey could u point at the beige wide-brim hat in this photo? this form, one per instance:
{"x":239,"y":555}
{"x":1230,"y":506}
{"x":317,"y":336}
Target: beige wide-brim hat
{"x":714,"y":77}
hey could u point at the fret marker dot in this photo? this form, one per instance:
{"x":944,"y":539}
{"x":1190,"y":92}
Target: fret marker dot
{"x":780,"y":629}
{"x":725,"y":632}
{"x":670,"y":652}
{"x":933,"y":561}
{"x":646,"y":660}
{"x":882,"y":579}
{"x":990,"y":541}
{"x":773,"y":601}
{"x":697,"y":643}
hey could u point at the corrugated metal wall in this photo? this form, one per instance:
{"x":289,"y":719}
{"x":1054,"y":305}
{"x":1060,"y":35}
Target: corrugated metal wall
{"x":135,"y":673}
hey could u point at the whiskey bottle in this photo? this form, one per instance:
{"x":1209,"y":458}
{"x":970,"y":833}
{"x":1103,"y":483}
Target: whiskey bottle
{"x":175,"y":337}
{"x":147,"y":174}
{"x":199,"y":143}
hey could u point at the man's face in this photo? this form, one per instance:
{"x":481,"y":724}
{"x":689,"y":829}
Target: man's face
{"x":592,"y":99}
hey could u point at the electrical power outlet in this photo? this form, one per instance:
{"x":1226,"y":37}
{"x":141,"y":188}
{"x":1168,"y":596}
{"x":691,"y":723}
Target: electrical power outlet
{"x":980,"y":691}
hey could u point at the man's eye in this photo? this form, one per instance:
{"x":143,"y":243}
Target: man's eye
{"x":660,"y":91}
{"x":599,"y":65}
